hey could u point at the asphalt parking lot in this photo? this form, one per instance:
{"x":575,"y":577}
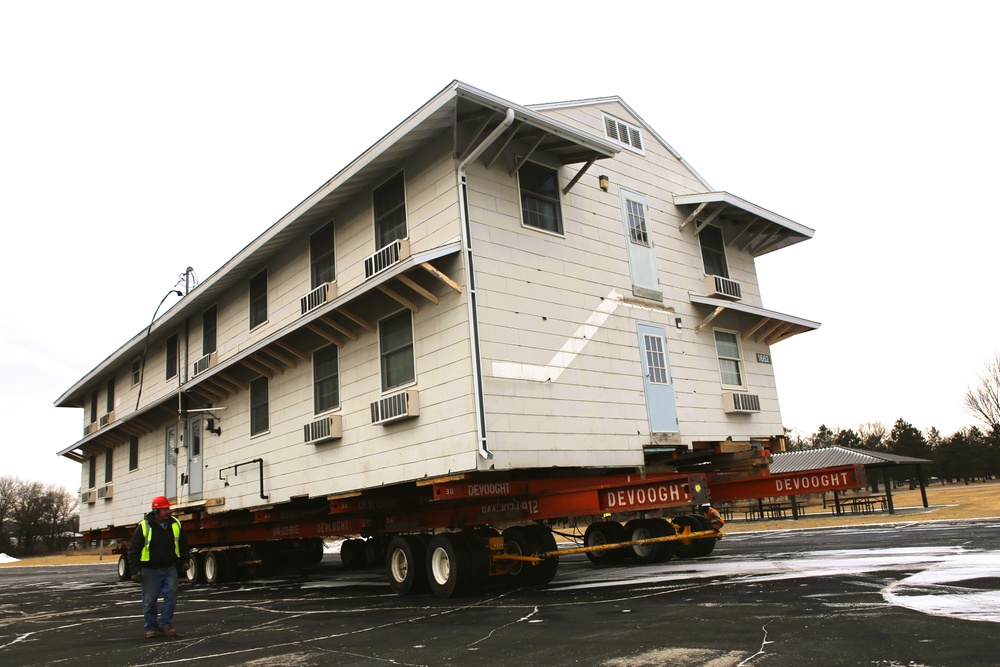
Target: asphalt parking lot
{"x":896,"y":594}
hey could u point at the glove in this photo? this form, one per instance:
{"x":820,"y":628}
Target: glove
{"x":136,"y":577}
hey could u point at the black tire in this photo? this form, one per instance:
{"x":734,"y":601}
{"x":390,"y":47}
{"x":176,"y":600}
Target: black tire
{"x":352,"y":554}
{"x":195,"y":565}
{"x":256,"y":560}
{"x":522,"y":541}
{"x":215,"y":567}
{"x":546,"y":543}
{"x":605,"y":532}
{"x":667,"y":549}
{"x":374,"y":552}
{"x":705,"y":547}
{"x":480,"y":559}
{"x":644,"y":529}
{"x":449,"y":565}
{"x":693,"y":548}
{"x":124,"y":570}
{"x":406,"y":566}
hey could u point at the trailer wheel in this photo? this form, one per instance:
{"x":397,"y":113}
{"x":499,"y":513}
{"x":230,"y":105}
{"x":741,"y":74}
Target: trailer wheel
{"x":352,"y":553}
{"x":705,"y":547}
{"x":604,"y":532}
{"x":374,"y":551}
{"x":644,"y":529}
{"x":449,"y":565}
{"x":667,"y":549}
{"x":195,"y":564}
{"x":215,"y":567}
{"x":479,"y":561}
{"x":406,"y":565}
{"x":693,"y":548}
{"x":546,"y":570}
{"x":521,"y":541}
{"x":124,"y":571}
{"x":314,"y":550}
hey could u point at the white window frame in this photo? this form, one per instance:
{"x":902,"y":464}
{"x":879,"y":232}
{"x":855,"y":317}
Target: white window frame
{"x":617,"y":123}
{"x":332,"y":252}
{"x":251,"y":300}
{"x":336,"y":405}
{"x":629,"y":196}
{"x":250,"y":419}
{"x":740,"y":363}
{"x":413,"y":353}
{"x":520,"y":203}
{"x":401,"y":174}
{"x":725,"y":254}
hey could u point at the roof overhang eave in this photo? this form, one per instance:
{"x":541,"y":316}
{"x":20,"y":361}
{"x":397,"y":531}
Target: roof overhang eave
{"x":767,"y":326}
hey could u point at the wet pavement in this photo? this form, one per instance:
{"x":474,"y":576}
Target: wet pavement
{"x":906,"y":594}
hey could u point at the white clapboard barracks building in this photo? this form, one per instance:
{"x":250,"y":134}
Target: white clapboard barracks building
{"x":489,"y":287}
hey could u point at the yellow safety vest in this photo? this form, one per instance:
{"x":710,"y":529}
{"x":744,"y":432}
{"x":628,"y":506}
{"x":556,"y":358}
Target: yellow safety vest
{"x":147,"y":533}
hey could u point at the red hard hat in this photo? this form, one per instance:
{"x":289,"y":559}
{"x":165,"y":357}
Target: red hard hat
{"x":161,"y":502}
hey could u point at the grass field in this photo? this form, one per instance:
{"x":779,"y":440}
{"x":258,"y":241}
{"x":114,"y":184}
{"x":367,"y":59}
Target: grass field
{"x":947,"y":501}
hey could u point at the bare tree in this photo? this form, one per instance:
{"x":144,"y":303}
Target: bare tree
{"x":873,"y":435}
{"x":29,"y":506}
{"x":8,"y":493}
{"x":58,"y":508}
{"x":983,"y":400}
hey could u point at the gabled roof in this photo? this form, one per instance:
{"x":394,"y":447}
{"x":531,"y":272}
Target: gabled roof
{"x":832,"y":457}
{"x":457,"y":103}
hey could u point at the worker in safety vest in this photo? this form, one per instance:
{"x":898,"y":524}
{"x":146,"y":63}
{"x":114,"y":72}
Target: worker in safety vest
{"x":157,"y":554}
{"x":713,"y":516}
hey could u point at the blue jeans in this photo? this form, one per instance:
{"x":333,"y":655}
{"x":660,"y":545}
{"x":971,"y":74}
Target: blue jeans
{"x":157,"y":582}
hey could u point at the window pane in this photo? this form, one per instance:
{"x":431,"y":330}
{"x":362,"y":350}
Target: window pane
{"x":396,"y":349}
{"x":326,"y":379}
{"x":728,"y":348}
{"x":713,"y":251}
{"x":637,"y":222}
{"x":133,"y":452}
{"x":172,"y":357}
{"x":108,"y":465}
{"x":258,"y":299}
{"x":321,"y":251}
{"x":656,"y":360}
{"x":209,"y":325}
{"x":111,"y":396}
{"x":730,"y":372}
{"x":540,"y":197}
{"x":389,"y":205}
{"x":259,"y":411}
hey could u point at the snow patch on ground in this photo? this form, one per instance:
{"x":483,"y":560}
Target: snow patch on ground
{"x":4,"y":558}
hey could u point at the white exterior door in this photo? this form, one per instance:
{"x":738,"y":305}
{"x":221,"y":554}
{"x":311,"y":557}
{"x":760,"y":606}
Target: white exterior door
{"x":661,"y":405}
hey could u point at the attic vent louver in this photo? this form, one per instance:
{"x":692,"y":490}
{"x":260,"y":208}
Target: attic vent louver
{"x":623,"y":133}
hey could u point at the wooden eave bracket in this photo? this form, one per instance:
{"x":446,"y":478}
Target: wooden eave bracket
{"x":437,"y":274}
{"x":579,"y":175}
{"x":704,"y":322}
{"x":368,"y":326}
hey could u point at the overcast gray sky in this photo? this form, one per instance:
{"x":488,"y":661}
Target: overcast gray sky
{"x":142,"y":138}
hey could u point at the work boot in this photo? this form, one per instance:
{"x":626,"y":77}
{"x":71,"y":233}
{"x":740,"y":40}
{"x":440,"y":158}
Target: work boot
{"x":151,"y":633}
{"x":168,"y":630}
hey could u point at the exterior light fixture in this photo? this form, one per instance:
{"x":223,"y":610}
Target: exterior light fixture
{"x":677,"y":322}
{"x":604,"y":182}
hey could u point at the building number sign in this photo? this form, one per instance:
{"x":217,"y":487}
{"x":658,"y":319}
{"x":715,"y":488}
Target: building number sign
{"x":763,"y":358}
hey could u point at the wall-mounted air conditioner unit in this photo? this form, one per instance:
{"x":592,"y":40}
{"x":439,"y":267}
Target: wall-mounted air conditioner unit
{"x":396,"y":407}
{"x":89,"y":496}
{"x":107,"y":419}
{"x":321,"y":430}
{"x":387,"y":257}
{"x":717,"y":286}
{"x":106,"y":492}
{"x":205,"y":363}
{"x":317,"y":297}
{"x":738,"y":402}
{"x":90,"y":428}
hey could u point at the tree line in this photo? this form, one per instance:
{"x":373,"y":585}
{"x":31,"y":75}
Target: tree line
{"x":35,"y":516}
{"x":969,"y":454}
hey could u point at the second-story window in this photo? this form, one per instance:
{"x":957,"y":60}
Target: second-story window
{"x":539,"y":188}
{"x":396,"y":350}
{"x":110,"y":403}
{"x":93,"y":408}
{"x":133,"y":452}
{"x":92,"y":472}
{"x":172,"y":357}
{"x":209,"y":326}
{"x":136,"y":371}
{"x":389,"y":205}
{"x":713,"y":251}
{"x":109,"y":466}
{"x":258,"y":299}
{"x":326,"y":379}
{"x":727,"y":345}
{"x":260,"y":410}
{"x":321,"y":255}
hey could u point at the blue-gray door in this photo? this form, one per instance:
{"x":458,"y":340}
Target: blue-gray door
{"x":195,"y":465}
{"x":170,"y":463}
{"x":639,"y":240}
{"x":661,"y":405}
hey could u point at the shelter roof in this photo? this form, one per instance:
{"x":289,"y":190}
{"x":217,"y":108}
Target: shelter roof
{"x":832,"y":457}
